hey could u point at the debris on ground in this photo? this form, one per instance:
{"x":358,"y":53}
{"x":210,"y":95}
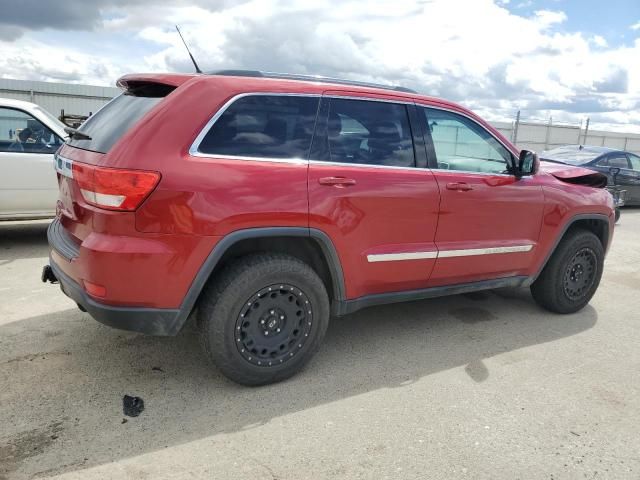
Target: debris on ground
{"x":132,"y":406}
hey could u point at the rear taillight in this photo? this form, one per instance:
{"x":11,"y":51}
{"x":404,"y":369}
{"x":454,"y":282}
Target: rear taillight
{"x":114,"y":188}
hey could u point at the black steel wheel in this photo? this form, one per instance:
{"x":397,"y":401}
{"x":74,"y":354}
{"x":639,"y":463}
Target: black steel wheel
{"x":580,"y":274}
{"x":572,"y":275}
{"x":274,"y":325}
{"x":263,"y":318}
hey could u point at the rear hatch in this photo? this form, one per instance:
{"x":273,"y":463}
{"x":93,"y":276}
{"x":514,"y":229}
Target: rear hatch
{"x":94,"y":192}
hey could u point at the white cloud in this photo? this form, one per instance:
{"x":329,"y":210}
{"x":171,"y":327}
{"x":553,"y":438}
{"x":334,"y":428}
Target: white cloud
{"x":599,"y":41}
{"x":34,"y":60}
{"x":547,"y":18}
{"x":490,"y":59}
{"x":635,"y":26}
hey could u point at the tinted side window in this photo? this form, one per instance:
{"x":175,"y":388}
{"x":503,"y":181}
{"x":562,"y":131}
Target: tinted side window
{"x":462,"y":144}
{"x":369,"y":132}
{"x":264,"y":126}
{"x":22,"y":133}
{"x":617,"y":160}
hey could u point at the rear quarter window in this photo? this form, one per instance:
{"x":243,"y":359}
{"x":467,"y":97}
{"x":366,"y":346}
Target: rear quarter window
{"x":263,"y":126}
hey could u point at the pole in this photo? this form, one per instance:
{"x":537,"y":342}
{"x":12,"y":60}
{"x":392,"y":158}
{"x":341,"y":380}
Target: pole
{"x":515,"y":129}
{"x":586,"y":131}
{"x":548,"y":136}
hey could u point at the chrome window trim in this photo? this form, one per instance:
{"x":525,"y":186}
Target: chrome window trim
{"x":466,"y":252}
{"x":294,"y":161}
{"x":364,"y":165}
{"x":194,"y":148}
{"x":466,"y":172}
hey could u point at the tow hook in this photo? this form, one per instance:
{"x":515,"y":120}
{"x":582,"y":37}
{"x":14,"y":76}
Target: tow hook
{"x":48,"y":275}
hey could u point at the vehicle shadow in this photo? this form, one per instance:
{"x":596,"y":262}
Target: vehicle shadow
{"x":64,"y":375}
{"x":19,"y":240}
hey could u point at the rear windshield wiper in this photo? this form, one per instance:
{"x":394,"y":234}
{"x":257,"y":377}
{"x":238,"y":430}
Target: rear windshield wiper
{"x":73,"y":133}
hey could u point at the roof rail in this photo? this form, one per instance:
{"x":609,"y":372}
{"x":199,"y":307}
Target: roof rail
{"x":307,"y":78}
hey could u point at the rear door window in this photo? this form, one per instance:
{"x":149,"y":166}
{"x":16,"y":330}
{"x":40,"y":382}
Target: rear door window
{"x":112,"y":121}
{"x":263,"y":126}
{"x":369,"y":132}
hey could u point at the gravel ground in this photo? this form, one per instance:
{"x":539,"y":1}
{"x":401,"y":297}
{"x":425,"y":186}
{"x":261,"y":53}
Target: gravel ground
{"x":475,"y":386}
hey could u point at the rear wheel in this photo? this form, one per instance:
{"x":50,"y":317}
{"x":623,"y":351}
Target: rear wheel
{"x":572,"y":275}
{"x":263,"y":318}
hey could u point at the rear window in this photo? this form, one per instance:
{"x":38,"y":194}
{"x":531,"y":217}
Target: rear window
{"x":264,"y":126}
{"x":112,"y":121}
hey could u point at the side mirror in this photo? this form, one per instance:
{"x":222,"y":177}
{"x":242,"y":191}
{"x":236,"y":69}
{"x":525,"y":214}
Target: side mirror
{"x":528,"y":164}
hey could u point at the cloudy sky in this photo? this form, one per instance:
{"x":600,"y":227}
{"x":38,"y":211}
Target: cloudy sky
{"x":570,"y":59}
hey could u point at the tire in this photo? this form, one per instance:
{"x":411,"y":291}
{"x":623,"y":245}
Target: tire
{"x":257,"y":294}
{"x":572,"y":275}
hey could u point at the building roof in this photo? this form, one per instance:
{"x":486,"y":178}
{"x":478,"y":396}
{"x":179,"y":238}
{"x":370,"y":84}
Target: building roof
{"x":74,"y":89}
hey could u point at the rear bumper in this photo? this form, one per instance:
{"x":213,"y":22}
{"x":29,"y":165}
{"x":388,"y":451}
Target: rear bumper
{"x":152,"y":321}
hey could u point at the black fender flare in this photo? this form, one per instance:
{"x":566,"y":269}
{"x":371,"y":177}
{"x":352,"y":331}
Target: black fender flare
{"x":563,"y":230}
{"x":207,"y":268}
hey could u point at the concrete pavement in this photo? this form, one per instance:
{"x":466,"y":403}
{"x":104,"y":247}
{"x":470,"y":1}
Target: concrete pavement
{"x":475,"y":386}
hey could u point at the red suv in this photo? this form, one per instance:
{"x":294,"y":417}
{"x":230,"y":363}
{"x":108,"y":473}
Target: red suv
{"x":264,"y":204}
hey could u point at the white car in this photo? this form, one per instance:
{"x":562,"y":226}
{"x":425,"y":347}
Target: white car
{"x":29,"y":136}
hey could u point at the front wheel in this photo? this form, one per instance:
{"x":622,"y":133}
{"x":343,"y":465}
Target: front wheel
{"x":572,"y":275}
{"x":263,"y":318}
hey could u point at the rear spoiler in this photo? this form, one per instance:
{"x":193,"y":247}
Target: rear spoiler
{"x":136,"y":80}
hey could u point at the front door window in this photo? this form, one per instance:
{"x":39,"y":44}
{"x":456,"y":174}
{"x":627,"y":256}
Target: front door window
{"x":22,"y":133}
{"x":462,"y":145}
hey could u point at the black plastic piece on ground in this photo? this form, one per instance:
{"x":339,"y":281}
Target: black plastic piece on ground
{"x":48,"y":275}
{"x":132,"y":406}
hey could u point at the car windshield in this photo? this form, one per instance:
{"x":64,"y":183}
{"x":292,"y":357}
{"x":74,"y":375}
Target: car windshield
{"x":54,"y":121}
{"x":573,"y":155}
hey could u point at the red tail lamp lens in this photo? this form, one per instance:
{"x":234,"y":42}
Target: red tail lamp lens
{"x":114,"y":188}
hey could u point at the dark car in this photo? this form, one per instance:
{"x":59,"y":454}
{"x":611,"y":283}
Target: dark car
{"x":622,"y":168}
